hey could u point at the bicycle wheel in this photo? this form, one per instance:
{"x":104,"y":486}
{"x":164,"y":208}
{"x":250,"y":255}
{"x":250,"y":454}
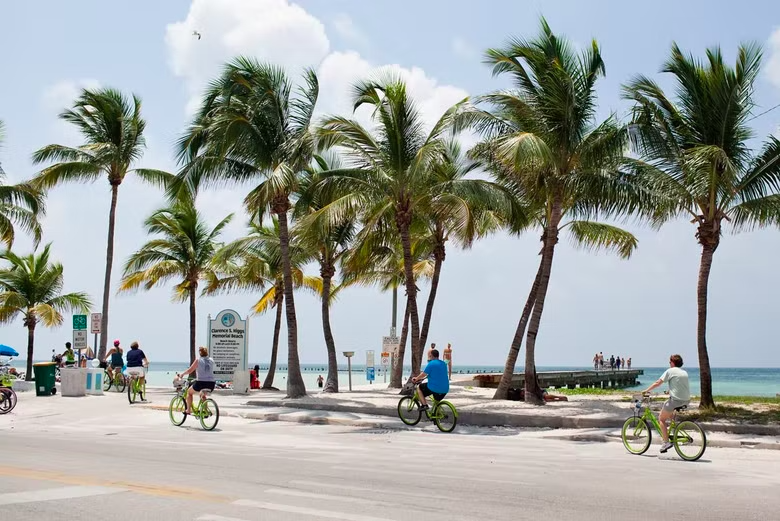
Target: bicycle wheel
{"x":445,"y":416}
{"x":689,"y":440}
{"x":132,"y":390}
{"x":12,"y":397}
{"x":5,"y":402}
{"x":176,"y":410}
{"x":209,"y":414}
{"x":636,"y":435}
{"x":106,"y":382}
{"x":120,"y":383}
{"x":409,"y":411}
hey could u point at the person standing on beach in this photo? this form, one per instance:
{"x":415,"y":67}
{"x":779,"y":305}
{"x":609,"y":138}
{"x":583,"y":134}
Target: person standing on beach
{"x":448,"y":359}
{"x":320,"y":381}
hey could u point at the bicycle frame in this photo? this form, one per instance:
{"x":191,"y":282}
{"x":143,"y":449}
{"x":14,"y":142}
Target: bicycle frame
{"x":652,"y":419}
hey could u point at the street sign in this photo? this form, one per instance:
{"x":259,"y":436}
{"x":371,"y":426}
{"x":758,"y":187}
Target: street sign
{"x":95,"y":319}
{"x":79,"y":321}
{"x":390,"y":344}
{"x":370,"y":358}
{"x":385,"y":358}
{"x":79,"y":339}
{"x":370,"y":374}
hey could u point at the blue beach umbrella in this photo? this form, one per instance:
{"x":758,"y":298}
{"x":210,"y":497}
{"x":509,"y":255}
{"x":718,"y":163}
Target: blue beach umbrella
{"x":7,"y":351}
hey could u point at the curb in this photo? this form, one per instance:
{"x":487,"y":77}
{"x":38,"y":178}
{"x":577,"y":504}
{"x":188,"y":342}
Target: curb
{"x":518,"y":420}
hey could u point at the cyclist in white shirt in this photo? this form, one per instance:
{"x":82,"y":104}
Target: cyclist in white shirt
{"x":679,"y":395}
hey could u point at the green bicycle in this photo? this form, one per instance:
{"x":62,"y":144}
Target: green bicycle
{"x":119,"y":381}
{"x":135,"y":389}
{"x":442,"y":413}
{"x":687,"y":437}
{"x":206,"y":410}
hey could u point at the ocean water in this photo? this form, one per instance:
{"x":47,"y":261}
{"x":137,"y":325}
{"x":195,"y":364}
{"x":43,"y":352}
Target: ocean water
{"x":725,"y":381}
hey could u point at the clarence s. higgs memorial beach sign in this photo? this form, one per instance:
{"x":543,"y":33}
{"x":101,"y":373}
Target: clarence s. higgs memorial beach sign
{"x":228,"y":344}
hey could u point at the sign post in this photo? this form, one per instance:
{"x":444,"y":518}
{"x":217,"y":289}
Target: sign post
{"x":79,"y":331}
{"x":95,"y":320}
{"x":228,"y":345}
{"x":390,"y":345}
{"x":370,"y":367}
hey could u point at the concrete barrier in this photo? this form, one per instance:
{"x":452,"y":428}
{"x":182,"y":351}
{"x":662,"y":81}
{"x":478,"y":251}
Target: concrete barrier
{"x":73,"y":381}
{"x":94,"y":383}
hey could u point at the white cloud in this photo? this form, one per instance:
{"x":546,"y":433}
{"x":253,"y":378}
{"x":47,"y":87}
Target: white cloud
{"x":463,"y":49}
{"x":346,"y":28}
{"x":340,"y":70}
{"x":269,"y":30}
{"x":62,"y":94}
{"x":773,"y":64}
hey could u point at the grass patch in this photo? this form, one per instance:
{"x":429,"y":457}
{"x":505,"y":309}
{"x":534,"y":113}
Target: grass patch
{"x":736,"y":414}
{"x":747,"y":400}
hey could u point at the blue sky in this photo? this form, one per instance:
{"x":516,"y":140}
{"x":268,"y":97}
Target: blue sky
{"x":643,"y":308}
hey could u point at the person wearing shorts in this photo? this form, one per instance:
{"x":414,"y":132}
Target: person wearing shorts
{"x":204,"y":377}
{"x":137,"y":364}
{"x":114,"y":361}
{"x":679,"y":395}
{"x":438,"y":383}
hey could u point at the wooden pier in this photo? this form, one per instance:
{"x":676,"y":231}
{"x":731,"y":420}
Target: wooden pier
{"x":607,"y":379}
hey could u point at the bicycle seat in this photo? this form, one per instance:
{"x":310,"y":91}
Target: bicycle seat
{"x":681,"y":408}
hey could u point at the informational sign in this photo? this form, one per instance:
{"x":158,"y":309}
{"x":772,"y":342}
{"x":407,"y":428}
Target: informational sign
{"x":370,"y":368}
{"x":370,"y":374}
{"x":370,"y":358}
{"x":94,"y":320}
{"x":79,"y":321}
{"x":390,"y":344}
{"x":385,"y":358}
{"x":228,"y":344}
{"x":79,"y":339}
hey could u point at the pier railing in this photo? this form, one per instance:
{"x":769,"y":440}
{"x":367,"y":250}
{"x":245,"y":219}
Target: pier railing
{"x":609,"y":378}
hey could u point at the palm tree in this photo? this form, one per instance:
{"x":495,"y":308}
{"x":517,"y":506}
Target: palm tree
{"x":113,"y":130}
{"x":378,"y":260}
{"x":19,"y":207}
{"x":388,"y":178}
{"x":31,"y":287}
{"x":254,"y":263}
{"x":542,"y":141}
{"x":183,"y":251}
{"x":696,"y":154}
{"x":329,"y":246}
{"x":462,"y":209}
{"x":251,"y":127}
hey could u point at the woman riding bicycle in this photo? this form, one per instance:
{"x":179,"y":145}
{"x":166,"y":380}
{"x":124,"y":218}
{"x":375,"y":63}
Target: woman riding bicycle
{"x":137,"y":364}
{"x":114,"y":360}
{"x":204,"y":377}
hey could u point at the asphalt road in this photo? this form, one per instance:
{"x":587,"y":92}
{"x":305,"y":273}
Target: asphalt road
{"x":99,"y":458}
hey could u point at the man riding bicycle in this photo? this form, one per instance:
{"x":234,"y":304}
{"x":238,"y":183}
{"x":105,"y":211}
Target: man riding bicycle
{"x":204,"y":377}
{"x":137,"y":364}
{"x":679,"y":395}
{"x":438,"y":383}
{"x":114,"y":360}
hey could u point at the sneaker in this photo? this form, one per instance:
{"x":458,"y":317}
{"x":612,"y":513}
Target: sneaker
{"x":666,"y":446}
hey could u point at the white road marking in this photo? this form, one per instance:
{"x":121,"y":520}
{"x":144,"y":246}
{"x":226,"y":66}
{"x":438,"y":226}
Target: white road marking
{"x":52,"y":494}
{"x":305,"y":483}
{"x":212,"y":517}
{"x":442,"y":476}
{"x":314,"y":512}
{"x":325,"y":497}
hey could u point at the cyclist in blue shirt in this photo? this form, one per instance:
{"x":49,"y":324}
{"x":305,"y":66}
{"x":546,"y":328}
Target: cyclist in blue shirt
{"x":438,"y":383}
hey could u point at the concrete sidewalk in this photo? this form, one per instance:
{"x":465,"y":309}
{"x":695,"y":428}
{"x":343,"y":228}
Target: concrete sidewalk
{"x":368,"y":404}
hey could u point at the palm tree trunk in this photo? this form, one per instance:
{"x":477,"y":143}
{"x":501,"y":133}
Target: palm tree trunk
{"x":269,"y":378}
{"x":295,"y":386}
{"x":411,"y":295}
{"x":517,"y":341}
{"x":107,"y":279}
{"x":438,"y":255}
{"x":533,"y":394}
{"x":28,"y":375}
{"x":193,"y":323}
{"x":704,"y":358}
{"x":332,"y":383}
{"x":398,"y":368}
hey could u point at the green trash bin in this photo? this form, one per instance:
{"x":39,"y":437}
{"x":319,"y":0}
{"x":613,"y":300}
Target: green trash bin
{"x":45,"y":378}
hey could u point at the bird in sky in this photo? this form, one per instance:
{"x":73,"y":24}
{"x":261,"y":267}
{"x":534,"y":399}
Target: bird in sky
{"x":196,"y":33}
